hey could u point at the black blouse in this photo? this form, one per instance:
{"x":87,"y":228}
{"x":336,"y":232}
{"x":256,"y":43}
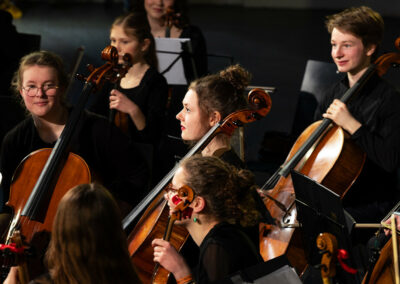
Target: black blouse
{"x":151,"y":97}
{"x":105,"y":149}
{"x":224,"y":250}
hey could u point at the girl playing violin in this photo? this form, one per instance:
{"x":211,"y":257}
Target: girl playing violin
{"x":142,"y":93}
{"x":209,"y":100}
{"x":88,"y":244}
{"x":222,"y":200}
{"x":40,"y":82}
{"x":372,"y":118}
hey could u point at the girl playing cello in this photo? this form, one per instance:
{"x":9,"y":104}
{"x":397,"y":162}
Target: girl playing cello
{"x":41,"y":82}
{"x":209,"y":100}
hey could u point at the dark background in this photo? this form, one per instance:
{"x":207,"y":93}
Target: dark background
{"x":273,"y":44}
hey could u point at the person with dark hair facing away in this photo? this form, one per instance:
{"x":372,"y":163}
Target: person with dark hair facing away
{"x":372,"y":117}
{"x":222,"y":201}
{"x":87,"y":243}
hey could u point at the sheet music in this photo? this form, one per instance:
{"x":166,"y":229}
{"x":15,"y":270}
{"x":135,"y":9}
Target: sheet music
{"x":173,"y":46}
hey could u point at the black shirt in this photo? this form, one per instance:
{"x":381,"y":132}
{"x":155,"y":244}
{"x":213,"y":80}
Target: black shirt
{"x":151,"y":96}
{"x":105,"y":149}
{"x":224,"y":250}
{"x":377,"y":108}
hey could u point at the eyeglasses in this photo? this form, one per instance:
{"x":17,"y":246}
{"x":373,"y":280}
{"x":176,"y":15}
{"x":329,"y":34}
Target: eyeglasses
{"x":170,"y":188}
{"x":48,"y":89}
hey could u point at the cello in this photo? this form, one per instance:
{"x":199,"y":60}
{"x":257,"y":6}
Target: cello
{"x":45,"y":175}
{"x":386,"y":268}
{"x":323,"y":152}
{"x":154,"y":220}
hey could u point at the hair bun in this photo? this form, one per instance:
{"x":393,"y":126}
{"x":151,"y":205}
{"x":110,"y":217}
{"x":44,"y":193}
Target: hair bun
{"x":237,"y":76}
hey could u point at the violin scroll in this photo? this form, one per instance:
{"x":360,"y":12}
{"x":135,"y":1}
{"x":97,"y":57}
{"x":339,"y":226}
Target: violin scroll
{"x":172,"y":18}
{"x":111,"y":71}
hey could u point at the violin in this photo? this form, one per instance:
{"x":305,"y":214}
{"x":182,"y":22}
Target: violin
{"x":120,"y":119}
{"x":325,"y":153}
{"x":45,"y":175}
{"x":172,"y":19}
{"x":153,"y":221}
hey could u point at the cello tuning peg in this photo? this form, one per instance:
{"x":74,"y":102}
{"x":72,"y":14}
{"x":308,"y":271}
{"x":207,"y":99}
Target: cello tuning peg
{"x":90,"y":67}
{"x":80,"y":77}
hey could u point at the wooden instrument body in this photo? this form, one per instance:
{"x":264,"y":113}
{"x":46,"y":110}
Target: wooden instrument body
{"x":383,"y":271}
{"x":150,"y":226}
{"x":153,"y":222}
{"x":333,"y":161}
{"x":75,"y":172}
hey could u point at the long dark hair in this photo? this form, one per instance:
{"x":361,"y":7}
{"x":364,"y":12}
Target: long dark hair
{"x":88,"y":244}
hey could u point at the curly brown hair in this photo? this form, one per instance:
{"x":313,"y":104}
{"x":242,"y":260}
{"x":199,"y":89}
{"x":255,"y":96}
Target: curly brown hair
{"x":362,"y":22}
{"x":222,"y":92}
{"x":226,"y":189}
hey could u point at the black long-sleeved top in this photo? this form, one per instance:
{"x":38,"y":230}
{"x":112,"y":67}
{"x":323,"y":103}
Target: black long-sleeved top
{"x":377,"y":108}
{"x":105,"y":149}
{"x":151,"y":96}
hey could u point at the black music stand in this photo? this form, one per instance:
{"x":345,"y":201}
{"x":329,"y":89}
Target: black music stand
{"x":320,"y":210}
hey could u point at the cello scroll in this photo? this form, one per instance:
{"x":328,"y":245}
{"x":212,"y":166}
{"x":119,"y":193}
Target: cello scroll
{"x":259,"y":106}
{"x":182,"y":200}
{"x":328,"y":246}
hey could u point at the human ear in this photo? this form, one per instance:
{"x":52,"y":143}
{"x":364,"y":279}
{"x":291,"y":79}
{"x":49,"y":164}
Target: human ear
{"x":370,"y":49}
{"x":215,"y":117}
{"x":199,"y":203}
{"x":145,"y":44}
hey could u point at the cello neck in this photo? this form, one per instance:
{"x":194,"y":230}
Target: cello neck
{"x":134,"y":214}
{"x":289,"y":165}
{"x":45,"y":184}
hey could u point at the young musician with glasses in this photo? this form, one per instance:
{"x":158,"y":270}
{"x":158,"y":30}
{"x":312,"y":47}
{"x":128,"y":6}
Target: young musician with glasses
{"x":40,"y":83}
